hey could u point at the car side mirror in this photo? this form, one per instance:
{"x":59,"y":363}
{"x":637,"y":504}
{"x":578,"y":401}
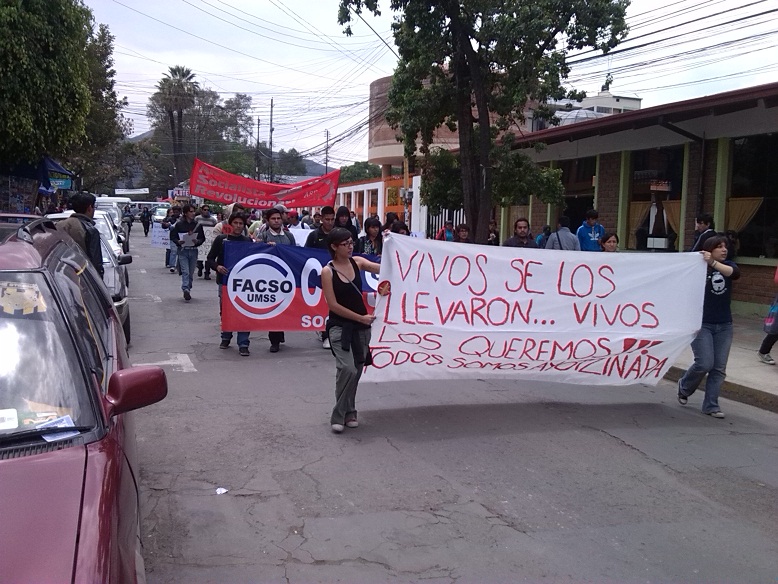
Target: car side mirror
{"x":120,"y":238}
{"x":125,"y":259}
{"x":136,"y":387}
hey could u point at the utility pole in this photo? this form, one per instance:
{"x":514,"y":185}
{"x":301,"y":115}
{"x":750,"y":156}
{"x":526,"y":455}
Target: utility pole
{"x":256,"y":154}
{"x":327,"y":152}
{"x":272,"y":174}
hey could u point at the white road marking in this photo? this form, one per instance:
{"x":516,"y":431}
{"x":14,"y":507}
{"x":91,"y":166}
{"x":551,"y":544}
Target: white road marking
{"x":142,"y":271}
{"x":179,"y":361}
{"x":152,"y":297}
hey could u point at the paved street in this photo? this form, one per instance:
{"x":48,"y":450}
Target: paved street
{"x":488,"y":481}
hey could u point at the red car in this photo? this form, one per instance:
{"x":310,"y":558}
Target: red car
{"x":68,"y":469}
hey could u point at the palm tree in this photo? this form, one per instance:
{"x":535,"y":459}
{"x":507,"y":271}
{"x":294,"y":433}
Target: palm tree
{"x":177,"y":90}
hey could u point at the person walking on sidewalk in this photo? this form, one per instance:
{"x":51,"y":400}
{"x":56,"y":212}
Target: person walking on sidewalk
{"x":771,"y":328}
{"x":276,"y":234}
{"x":348,"y":325}
{"x":204,"y":219}
{"x":237,"y":224}
{"x":714,"y":339}
{"x":187,"y":235}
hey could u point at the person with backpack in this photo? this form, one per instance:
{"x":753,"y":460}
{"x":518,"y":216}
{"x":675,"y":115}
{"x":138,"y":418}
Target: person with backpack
{"x":563,"y":238}
{"x":81,"y":227}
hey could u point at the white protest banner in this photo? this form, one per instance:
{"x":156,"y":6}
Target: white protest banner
{"x":453,"y":311}
{"x":202,"y":251}
{"x":160,"y":237}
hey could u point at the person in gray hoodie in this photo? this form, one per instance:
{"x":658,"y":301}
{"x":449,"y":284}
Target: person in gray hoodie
{"x":562,"y":238}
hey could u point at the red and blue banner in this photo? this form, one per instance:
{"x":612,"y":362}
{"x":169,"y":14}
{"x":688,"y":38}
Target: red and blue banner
{"x":278,"y":287}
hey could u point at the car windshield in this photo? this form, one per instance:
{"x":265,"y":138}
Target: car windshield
{"x":40,"y":375}
{"x":160,"y":212}
{"x":104,"y":226}
{"x":111,"y":210}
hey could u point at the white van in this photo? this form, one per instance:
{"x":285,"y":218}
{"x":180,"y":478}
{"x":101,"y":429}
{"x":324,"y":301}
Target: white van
{"x":121,"y":201}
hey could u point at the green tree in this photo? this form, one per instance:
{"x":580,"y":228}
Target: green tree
{"x":97,"y":158}
{"x":176,"y":93}
{"x":214,"y":131}
{"x":290,"y":163}
{"x":474,"y":66}
{"x":359,"y":171}
{"x":44,"y":77}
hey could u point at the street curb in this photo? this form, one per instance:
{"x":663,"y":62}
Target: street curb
{"x":736,"y":392}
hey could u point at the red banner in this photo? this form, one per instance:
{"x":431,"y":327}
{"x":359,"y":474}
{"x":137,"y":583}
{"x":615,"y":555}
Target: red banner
{"x":218,"y":185}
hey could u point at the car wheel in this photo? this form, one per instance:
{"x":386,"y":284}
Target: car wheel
{"x":126,"y":328}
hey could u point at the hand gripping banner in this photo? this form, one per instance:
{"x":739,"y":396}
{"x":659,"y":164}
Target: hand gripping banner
{"x":452,"y":311}
{"x":219,"y":185}
{"x":278,"y":288}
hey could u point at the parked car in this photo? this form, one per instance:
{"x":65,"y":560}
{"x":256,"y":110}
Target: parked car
{"x":105,"y":226}
{"x":121,"y":227}
{"x":159,"y":214}
{"x":69,"y":499}
{"x":113,"y":278}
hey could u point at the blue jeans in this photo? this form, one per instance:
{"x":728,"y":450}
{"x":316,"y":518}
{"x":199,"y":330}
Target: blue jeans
{"x":187,"y":260}
{"x":173,"y":257}
{"x":711,"y":351}
{"x":243,"y":337}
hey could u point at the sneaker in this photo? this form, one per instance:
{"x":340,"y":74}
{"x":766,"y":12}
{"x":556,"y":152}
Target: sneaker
{"x":199,"y":273}
{"x":325,"y":343}
{"x":719,"y":415}
{"x":172,"y":270}
{"x":207,"y":277}
{"x":337,"y":428}
{"x":352,"y":423}
{"x":682,"y":399}
{"x":766,"y":359}
{"x":224,"y":344}
{"x":244,"y":352}
{"x":274,"y":348}
{"x":187,"y":295}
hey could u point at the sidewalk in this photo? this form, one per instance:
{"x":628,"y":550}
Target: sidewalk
{"x":748,"y":380}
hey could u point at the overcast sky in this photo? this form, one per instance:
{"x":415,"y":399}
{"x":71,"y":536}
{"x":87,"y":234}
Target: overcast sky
{"x":294,"y":51}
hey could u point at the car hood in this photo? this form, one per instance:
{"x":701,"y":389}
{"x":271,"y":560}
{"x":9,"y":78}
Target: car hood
{"x":40,"y":507}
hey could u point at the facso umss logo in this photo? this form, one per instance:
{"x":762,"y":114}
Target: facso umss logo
{"x":261,"y":286}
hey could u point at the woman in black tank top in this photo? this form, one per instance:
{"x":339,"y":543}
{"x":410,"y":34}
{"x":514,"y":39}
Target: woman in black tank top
{"x":348,"y":324}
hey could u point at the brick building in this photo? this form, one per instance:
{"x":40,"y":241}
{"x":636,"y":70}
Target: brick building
{"x":650,"y":172}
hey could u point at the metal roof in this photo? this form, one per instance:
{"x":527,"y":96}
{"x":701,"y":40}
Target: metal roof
{"x":730,"y":114}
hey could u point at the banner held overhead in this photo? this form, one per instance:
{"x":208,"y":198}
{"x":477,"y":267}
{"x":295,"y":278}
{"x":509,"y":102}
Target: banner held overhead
{"x":215,"y":184}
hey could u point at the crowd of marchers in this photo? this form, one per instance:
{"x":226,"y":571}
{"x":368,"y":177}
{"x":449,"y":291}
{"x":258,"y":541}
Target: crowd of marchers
{"x":331,"y":230}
